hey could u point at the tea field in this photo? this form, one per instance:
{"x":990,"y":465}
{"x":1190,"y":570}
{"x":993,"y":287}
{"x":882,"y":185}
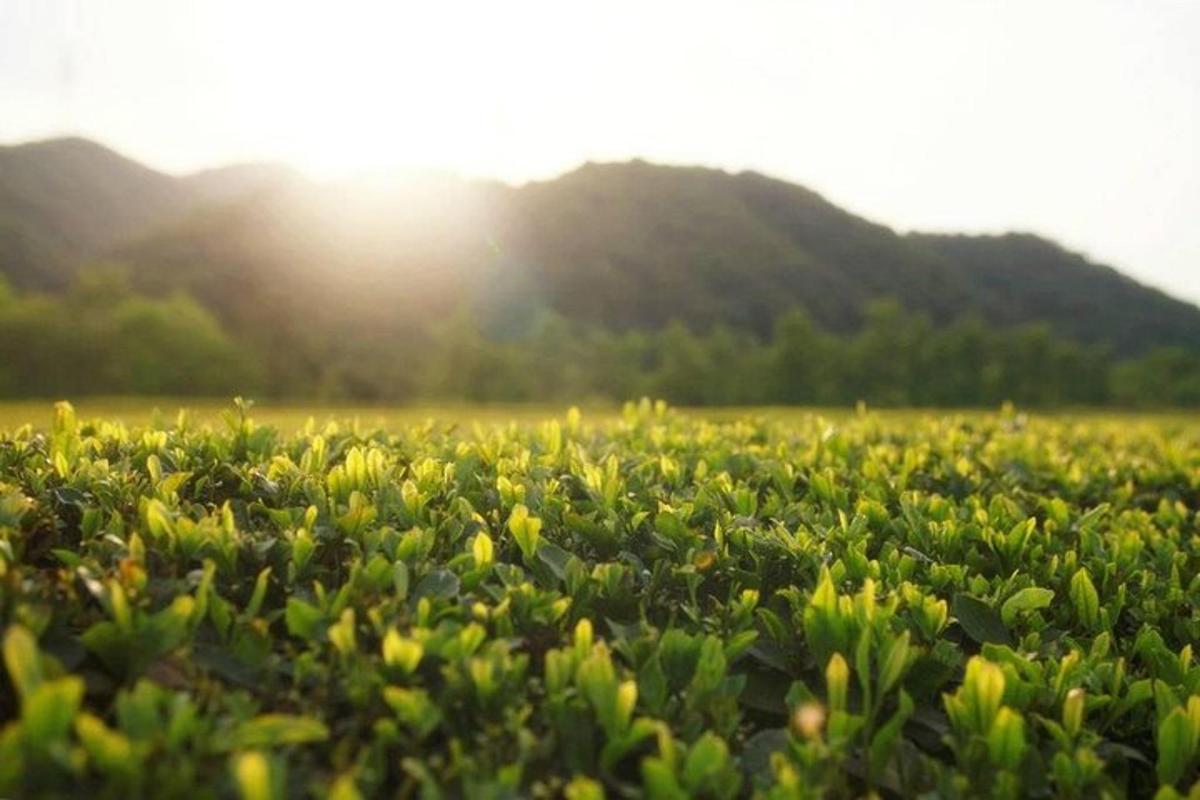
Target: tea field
{"x":635,"y":603}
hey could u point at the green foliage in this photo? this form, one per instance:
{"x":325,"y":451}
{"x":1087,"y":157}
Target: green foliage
{"x":656,"y":606}
{"x":896,"y":359}
{"x":102,"y":338}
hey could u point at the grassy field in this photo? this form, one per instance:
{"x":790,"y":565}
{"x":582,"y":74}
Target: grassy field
{"x":636,"y":602}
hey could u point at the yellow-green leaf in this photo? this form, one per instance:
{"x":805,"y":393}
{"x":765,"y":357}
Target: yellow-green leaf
{"x":22,"y":661}
{"x":274,"y":730}
{"x":1085,"y":599}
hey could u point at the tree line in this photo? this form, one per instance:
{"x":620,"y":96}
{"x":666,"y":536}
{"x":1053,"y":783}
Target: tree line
{"x":102,"y":338}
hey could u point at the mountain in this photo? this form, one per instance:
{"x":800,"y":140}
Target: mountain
{"x":223,"y":184}
{"x":63,"y":201}
{"x":637,"y":245}
{"x":623,"y":246}
{"x":1020,"y":278}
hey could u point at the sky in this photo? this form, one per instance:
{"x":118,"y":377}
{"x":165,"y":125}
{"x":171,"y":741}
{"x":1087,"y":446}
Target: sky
{"x":1075,"y":120}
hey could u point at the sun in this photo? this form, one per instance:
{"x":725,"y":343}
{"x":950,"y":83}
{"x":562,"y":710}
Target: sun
{"x":399,"y":86}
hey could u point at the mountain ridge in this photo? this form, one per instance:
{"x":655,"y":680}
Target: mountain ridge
{"x":70,"y":199}
{"x":622,"y":245}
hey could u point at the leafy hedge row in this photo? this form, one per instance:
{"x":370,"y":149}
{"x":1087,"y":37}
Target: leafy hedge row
{"x":654,"y":606}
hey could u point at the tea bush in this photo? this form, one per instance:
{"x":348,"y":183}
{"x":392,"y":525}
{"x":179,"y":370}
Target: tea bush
{"x":654,"y":606}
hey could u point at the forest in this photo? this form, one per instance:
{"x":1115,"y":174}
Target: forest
{"x":101,"y":337}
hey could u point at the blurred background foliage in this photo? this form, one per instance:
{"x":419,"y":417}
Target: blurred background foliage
{"x":101,"y":337}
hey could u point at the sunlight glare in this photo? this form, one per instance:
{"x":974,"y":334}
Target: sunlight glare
{"x":388,"y":88}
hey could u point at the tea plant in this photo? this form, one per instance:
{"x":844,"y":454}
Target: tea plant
{"x":656,"y":606}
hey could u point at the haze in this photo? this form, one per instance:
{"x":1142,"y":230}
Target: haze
{"x":1079,"y":121}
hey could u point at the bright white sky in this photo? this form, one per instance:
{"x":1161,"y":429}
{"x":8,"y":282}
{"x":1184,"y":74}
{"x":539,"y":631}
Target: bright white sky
{"x":1077,"y":120}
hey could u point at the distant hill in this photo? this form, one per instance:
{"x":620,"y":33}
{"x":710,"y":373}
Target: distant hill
{"x":63,"y":201}
{"x":222,"y":184}
{"x":1019,"y":277}
{"x":637,"y":244}
{"x":629,"y":245}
